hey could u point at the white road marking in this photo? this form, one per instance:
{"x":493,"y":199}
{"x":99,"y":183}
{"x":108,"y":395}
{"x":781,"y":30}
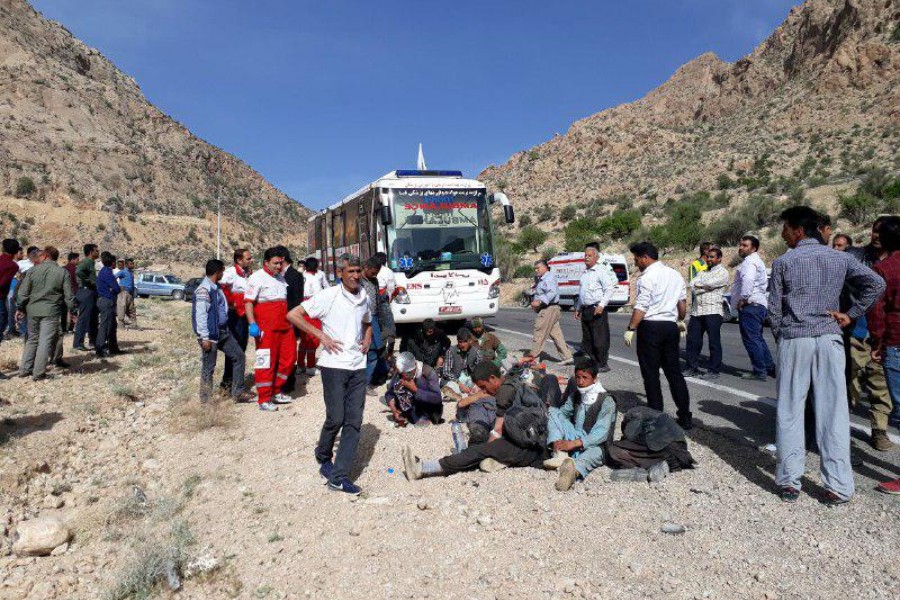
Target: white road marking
{"x":721,"y":388}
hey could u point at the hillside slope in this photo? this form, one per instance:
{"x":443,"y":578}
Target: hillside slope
{"x":107,"y":165}
{"x":817,"y":103}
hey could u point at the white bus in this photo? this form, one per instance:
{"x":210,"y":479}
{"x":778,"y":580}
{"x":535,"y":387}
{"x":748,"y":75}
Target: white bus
{"x":435,"y":227}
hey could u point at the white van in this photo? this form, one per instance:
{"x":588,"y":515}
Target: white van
{"x":568,"y":268}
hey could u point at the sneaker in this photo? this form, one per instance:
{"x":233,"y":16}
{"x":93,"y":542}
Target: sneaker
{"x":567,"y":475}
{"x":449,"y":395}
{"x":555,"y":461}
{"x":244,"y":397}
{"x":412,"y":466}
{"x":346,"y":486}
{"x":658,"y":472}
{"x":81,"y":348}
{"x":752,"y":377}
{"x":282,"y":399}
{"x":489,"y":465}
{"x":880,"y":441}
{"x":691,"y":373}
{"x":268,"y":407}
{"x":832,"y":499}
{"x":326,"y":468}
{"x":709,"y":376}
{"x":312,"y":372}
{"x":628,"y":475}
{"x":3,"y":376}
{"x":789,"y":494}
{"x":889,"y":487}
{"x":371,"y":391}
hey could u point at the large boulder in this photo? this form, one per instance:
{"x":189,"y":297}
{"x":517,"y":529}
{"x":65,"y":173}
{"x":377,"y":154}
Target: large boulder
{"x":38,"y":537}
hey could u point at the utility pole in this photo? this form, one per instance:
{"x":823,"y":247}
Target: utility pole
{"x":219,"y":228}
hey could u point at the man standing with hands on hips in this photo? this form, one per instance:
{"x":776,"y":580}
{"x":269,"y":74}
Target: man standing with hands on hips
{"x":658,"y":322}
{"x":345,"y":337}
{"x":597,"y":286}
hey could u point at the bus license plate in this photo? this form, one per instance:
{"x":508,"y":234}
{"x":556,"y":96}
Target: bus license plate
{"x":449,"y":310}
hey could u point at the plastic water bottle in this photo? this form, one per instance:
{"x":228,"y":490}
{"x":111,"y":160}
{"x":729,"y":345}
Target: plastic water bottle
{"x":459,"y":438}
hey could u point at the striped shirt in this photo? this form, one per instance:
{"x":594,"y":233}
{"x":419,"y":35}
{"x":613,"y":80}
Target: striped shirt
{"x":806,"y":284}
{"x":708,"y":288}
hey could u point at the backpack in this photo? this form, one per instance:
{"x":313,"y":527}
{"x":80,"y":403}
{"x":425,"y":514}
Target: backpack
{"x":525,"y":422}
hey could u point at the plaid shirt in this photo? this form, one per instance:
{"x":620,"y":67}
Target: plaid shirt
{"x":884,"y":316}
{"x":806,"y":284}
{"x":709,"y":288}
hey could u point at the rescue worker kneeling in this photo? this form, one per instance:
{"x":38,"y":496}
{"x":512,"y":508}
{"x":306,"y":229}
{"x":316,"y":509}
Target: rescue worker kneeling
{"x":276,"y":345}
{"x":579,"y":431}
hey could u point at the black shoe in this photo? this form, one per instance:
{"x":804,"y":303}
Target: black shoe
{"x":604,"y":369}
{"x":80,"y":348}
{"x":103,"y":354}
{"x":753,"y":377}
{"x":789,"y":494}
{"x":686,"y":423}
{"x":24,"y":375}
{"x":62,"y":364}
{"x":2,"y":376}
{"x":691,"y":373}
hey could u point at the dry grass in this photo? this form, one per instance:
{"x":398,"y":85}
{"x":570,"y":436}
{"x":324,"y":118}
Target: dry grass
{"x":191,"y":416}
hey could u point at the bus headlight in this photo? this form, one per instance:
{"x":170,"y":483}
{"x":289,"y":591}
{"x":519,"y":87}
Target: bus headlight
{"x":401,"y":296}
{"x":494,"y":292}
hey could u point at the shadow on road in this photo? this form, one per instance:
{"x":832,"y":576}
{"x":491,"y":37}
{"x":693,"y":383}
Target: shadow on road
{"x":21,"y":426}
{"x":369,"y":435}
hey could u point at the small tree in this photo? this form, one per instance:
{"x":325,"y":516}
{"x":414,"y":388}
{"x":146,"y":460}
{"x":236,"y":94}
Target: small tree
{"x":25,"y":187}
{"x":578,"y":233}
{"x":568,"y":213}
{"x":859,"y":208}
{"x":532,"y":237}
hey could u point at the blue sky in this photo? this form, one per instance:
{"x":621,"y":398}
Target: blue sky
{"x":323,"y":97}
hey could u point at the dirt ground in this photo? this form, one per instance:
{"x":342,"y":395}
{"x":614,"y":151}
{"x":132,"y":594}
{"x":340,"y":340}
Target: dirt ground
{"x":228,"y":499}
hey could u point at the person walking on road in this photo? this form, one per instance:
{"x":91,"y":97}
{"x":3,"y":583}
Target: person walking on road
{"x":658,"y":323}
{"x":107,"y":293}
{"x":265,"y":302}
{"x":804,"y":304}
{"x":598,"y":282}
{"x":546,"y":323}
{"x":345,"y":336}
{"x":884,"y":321}
{"x":234,"y":284}
{"x":43,"y":297}
{"x":209,"y":317}
{"x":86,"y":299}
{"x":748,"y":297}
{"x":708,"y":288}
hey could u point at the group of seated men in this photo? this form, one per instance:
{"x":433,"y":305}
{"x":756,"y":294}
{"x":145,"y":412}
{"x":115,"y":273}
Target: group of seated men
{"x":518,"y":417}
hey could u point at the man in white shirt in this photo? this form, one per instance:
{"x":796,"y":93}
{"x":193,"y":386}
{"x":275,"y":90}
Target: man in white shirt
{"x":345,"y":336}
{"x":314,"y":281}
{"x":749,"y":298}
{"x":386,"y":281}
{"x":265,"y":301}
{"x":657,"y":320}
{"x":597,"y":286}
{"x":234,"y":284}
{"x":708,"y":288}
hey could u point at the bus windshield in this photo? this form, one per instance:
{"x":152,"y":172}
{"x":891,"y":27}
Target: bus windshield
{"x":439,"y":229}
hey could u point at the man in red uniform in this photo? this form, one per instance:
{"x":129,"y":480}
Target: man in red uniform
{"x":265,"y":300}
{"x":234,"y":284}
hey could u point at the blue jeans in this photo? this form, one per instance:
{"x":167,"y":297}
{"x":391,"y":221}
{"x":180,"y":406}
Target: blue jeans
{"x":891,"y":363}
{"x":751,"y":319}
{"x":374,"y":350}
{"x":560,"y":428}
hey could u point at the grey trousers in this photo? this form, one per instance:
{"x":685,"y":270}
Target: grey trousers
{"x":41,"y":345}
{"x":233,"y":354}
{"x":800,"y":362}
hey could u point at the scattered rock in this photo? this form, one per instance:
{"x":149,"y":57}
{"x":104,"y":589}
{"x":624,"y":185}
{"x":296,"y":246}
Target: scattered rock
{"x":151,"y":464}
{"x":423,"y":505}
{"x":673,"y":528}
{"x":40,"y":536}
{"x":484,"y":520}
{"x":61,"y":549}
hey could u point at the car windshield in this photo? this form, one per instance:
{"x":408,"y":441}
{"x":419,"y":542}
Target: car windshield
{"x":439,"y":228}
{"x":172,"y":279}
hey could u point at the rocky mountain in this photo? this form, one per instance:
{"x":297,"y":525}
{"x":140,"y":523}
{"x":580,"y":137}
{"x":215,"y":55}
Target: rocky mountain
{"x":816,"y":104}
{"x":85,"y":157}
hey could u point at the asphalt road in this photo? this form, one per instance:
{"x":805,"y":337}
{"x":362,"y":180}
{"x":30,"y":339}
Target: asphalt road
{"x":744,"y":411}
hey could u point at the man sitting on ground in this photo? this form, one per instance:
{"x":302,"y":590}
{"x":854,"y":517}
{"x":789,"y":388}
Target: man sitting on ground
{"x":509,"y":446}
{"x":582,"y":427}
{"x":491,"y":347}
{"x":459,"y":361}
{"x":428,"y":344}
{"x":414,"y":392}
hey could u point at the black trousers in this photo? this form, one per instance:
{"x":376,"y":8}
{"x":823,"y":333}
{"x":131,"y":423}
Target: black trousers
{"x":657,"y":347}
{"x":595,"y":335}
{"x":501,"y":450}
{"x":711,"y":325}
{"x":87,"y":322}
{"x":239,"y":329}
{"x":345,"y":400}
{"x":106,"y":333}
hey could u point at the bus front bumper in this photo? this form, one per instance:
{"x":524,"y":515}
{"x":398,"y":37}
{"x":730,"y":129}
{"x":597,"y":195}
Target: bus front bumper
{"x":416,"y":313}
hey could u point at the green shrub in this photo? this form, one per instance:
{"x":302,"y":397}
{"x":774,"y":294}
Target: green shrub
{"x":725,"y":182}
{"x":531,"y":237}
{"x":683,"y":231}
{"x":525,"y":220}
{"x":548,"y":252}
{"x":874,"y":183}
{"x":727,"y":231}
{"x":895,"y":37}
{"x":25,"y":187}
{"x":568,"y":213}
{"x":891,"y":191}
{"x":859,"y":208}
{"x":523,"y":271}
{"x":620,"y":224}
{"x":506,"y":256}
{"x":578,"y":233}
